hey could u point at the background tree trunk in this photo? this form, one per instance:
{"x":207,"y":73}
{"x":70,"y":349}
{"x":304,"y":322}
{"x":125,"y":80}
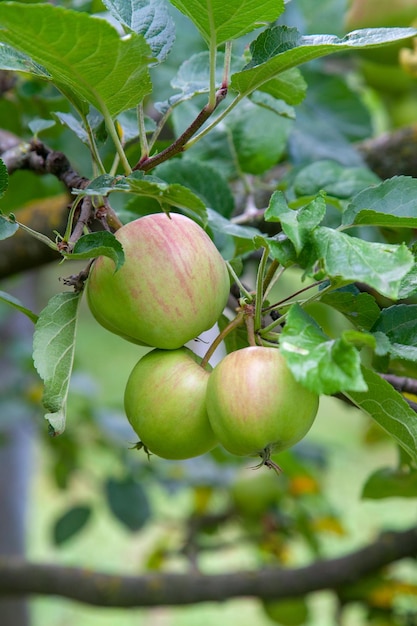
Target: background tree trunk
{"x":16,"y":435}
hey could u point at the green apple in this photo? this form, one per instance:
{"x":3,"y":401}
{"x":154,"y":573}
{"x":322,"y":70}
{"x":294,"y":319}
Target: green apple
{"x":253,"y":494}
{"x":165,"y":404}
{"x":255,"y":405}
{"x":376,"y":13}
{"x":382,"y":13}
{"x":173,"y":285}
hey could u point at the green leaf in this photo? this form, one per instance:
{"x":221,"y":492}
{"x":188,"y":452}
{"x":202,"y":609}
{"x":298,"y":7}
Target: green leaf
{"x":128,"y":120}
{"x":296,"y":224}
{"x":334,"y":178}
{"x":201,"y":179}
{"x":220,"y":21}
{"x":381,"y":266}
{"x":280,"y":48}
{"x":38,"y":125}
{"x":391,"y":204}
{"x":4,"y":179}
{"x":333,"y":101}
{"x":389,"y":409}
{"x":193,"y":76}
{"x":99,"y":244}
{"x":70,"y":523}
{"x":149,"y":18}
{"x":360,"y":308}
{"x":15,"y":61}
{"x":326,"y":366}
{"x":53,"y":354}
{"x":409,"y":283}
{"x":281,"y":249}
{"x":149,"y":186}
{"x":390,"y":483}
{"x":259,"y":137}
{"x":289,"y":86}
{"x":273,"y":104}
{"x":16,"y":304}
{"x":85,"y":56}
{"x":399,"y":324}
{"x":218,"y":223}
{"x":7,"y":226}
{"x":128,"y":502}
{"x":71,"y":122}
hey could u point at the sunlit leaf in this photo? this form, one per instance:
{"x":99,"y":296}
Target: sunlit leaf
{"x":72,"y":45}
{"x":381,"y":266}
{"x":296,"y":224}
{"x":53,"y":354}
{"x":220,"y":21}
{"x":391,"y":204}
{"x":280,"y":48}
{"x":149,"y":18}
{"x":323,"y":365}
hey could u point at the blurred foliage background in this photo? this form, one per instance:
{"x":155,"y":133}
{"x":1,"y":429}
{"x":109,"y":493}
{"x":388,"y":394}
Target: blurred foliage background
{"x":95,"y":501}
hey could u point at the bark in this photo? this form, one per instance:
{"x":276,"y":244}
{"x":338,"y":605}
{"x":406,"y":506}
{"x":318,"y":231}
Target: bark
{"x":16,"y":430}
{"x":392,"y":154}
{"x":18,"y":578}
{"x":22,"y":251}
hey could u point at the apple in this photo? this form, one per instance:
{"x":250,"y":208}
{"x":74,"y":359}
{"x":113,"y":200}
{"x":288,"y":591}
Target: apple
{"x":255,"y":405}
{"x":173,"y":285}
{"x":165,"y":404}
{"x":288,"y":612}
{"x":253,"y":494}
{"x":376,"y":13}
{"x":382,"y":13}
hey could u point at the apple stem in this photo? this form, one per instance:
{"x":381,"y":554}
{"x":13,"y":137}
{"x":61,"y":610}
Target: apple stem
{"x":267,"y":461}
{"x":250,"y":327}
{"x":237,"y":321}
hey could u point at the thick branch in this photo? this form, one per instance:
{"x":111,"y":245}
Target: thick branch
{"x":112,"y":590}
{"x":46,"y":215}
{"x":392,"y":154}
{"x":23,"y":252}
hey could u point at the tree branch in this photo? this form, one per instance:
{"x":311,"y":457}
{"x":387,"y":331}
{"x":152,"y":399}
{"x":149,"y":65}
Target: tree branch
{"x":18,"y":577}
{"x":22,"y":251}
{"x":392,"y":154}
{"x":45,"y":215}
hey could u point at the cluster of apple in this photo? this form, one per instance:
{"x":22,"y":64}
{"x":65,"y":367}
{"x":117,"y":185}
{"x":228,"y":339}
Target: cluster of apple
{"x":174,"y":285}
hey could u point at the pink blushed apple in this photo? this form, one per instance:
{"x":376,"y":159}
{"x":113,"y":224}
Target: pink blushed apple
{"x":173,"y":285}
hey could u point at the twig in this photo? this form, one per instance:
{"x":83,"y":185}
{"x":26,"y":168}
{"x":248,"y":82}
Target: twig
{"x":148,"y":163}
